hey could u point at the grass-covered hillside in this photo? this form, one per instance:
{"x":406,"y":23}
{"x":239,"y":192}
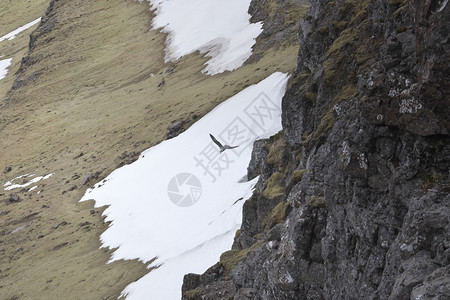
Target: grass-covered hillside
{"x":93,"y":92}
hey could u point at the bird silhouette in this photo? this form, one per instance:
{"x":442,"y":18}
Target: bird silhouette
{"x":221,"y":147}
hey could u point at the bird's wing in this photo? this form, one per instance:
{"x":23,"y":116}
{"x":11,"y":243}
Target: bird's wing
{"x":216,"y":141}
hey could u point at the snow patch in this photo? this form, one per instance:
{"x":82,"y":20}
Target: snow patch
{"x":142,"y":197}
{"x":444,"y":4}
{"x":12,"y":34}
{"x":17,"y":178}
{"x":10,"y":186}
{"x":219,"y":28}
{"x":4,"y":65}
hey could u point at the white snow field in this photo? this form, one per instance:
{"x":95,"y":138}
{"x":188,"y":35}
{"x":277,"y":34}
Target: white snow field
{"x":4,"y":65}
{"x":181,"y":201}
{"x":12,"y":34}
{"x":220,"y":28}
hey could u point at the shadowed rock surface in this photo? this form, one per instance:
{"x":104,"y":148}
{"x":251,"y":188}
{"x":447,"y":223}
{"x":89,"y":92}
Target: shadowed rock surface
{"x":353,"y":197}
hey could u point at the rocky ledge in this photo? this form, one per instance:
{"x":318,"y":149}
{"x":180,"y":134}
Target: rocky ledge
{"x":353,"y":196}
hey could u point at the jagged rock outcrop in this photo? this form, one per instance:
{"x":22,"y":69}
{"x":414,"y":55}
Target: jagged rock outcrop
{"x":353,"y":198}
{"x":48,"y":22}
{"x":279,"y":22}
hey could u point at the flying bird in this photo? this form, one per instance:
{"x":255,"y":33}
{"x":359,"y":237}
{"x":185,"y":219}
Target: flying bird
{"x":222,"y":147}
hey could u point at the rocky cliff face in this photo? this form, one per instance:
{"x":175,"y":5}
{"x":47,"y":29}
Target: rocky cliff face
{"x":280,"y":23}
{"x":353,"y":196}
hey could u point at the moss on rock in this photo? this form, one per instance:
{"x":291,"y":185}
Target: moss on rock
{"x":278,"y":214}
{"x":274,"y":187}
{"x":297,"y":175}
{"x":231,"y":258}
{"x":275,"y":149}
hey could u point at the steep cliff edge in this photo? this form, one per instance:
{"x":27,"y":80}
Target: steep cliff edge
{"x":353,"y":197}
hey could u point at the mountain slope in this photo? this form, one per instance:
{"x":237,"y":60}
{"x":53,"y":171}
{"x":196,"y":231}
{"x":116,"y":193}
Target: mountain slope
{"x":91,"y":93}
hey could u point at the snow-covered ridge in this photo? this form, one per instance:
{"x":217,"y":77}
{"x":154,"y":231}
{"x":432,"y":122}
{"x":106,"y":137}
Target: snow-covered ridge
{"x":181,"y":201}
{"x":220,"y":28}
{"x":13,"y":33}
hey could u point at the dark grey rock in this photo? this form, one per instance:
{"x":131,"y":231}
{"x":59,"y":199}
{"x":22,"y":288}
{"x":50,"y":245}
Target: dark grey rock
{"x":48,"y":22}
{"x":13,"y":198}
{"x":56,"y":226}
{"x":416,"y":269}
{"x":175,"y":128}
{"x":435,"y":286}
{"x":369,"y":218}
{"x":78,"y":155}
{"x":277,"y":22}
{"x":258,"y":154}
{"x":86,"y":178}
